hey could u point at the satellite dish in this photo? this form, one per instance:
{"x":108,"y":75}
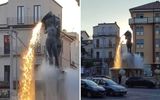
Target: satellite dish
{"x":3,"y":1}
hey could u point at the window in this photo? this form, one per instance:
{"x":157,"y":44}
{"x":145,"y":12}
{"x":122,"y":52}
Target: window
{"x":36,"y":13}
{"x":6,"y":44}
{"x":6,"y":73}
{"x":157,"y":29}
{"x":139,"y":30}
{"x":157,"y":14}
{"x":157,"y":56}
{"x":110,"y":54}
{"x":110,"y":43}
{"x":157,"y":43}
{"x":91,"y":52}
{"x":141,"y":54}
{"x":97,"y":43}
{"x":139,"y":15}
{"x":147,"y":70}
{"x":20,"y":14}
{"x":97,"y":55}
{"x":139,"y":43}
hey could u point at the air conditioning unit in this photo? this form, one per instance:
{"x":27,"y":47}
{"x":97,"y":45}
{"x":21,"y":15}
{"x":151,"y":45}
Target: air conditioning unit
{"x":157,"y":46}
{"x":157,"y":32}
{"x":137,"y":33}
{"x":142,"y":46}
{"x":141,"y":33}
{"x":157,"y":59}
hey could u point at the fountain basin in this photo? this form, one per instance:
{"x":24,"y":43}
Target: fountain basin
{"x":129,"y":72}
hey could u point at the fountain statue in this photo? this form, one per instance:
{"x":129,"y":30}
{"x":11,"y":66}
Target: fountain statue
{"x":53,"y":41}
{"x":126,"y":63}
{"x":128,"y":36}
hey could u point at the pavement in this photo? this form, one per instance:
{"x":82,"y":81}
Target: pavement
{"x":133,"y":94}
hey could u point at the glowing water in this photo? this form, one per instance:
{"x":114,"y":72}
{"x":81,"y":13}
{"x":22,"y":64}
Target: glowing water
{"x":27,"y":80}
{"x":117,"y":59}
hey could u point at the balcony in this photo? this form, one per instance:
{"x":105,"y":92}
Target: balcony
{"x":20,"y":49}
{"x":145,"y":20}
{"x":27,"y":20}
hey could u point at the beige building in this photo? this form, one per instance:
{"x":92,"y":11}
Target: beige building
{"x":145,"y":23}
{"x":75,"y":49}
{"x":105,"y":38}
{"x":22,"y":16}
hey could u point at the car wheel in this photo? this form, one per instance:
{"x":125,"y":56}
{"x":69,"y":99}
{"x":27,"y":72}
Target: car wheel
{"x":130,"y":86}
{"x":150,"y":86}
{"x":89,"y":94}
{"x":111,"y":92}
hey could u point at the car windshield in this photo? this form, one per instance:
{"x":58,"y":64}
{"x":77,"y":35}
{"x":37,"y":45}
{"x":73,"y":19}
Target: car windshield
{"x":91,"y":83}
{"x":110,"y":82}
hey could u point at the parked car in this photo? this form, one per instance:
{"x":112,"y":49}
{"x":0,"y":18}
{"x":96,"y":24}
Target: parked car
{"x":91,"y":89}
{"x":111,"y":87}
{"x":139,"y":82}
{"x":98,"y":76}
{"x":102,"y":76}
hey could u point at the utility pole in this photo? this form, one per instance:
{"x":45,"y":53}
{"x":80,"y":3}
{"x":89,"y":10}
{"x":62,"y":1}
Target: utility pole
{"x":11,"y":63}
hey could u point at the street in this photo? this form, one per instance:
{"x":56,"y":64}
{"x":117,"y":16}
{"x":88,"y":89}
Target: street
{"x":134,"y":94}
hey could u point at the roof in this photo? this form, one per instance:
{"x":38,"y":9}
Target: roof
{"x":52,"y":0}
{"x":57,"y":3}
{"x":115,"y":23}
{"x":148,"y":6}
{"x":4,"y":4}
{"x":67,"y":36}
{"x":84,"y":32}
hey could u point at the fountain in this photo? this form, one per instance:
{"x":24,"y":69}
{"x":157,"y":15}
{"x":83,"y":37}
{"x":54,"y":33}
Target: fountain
{"x":125,"y":61}
{"x":50,"y":82}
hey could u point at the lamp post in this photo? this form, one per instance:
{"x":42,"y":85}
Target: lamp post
{"x":12,"y":95}
{"x":122,"y":77}
{"x":11,"y":64}
{"x":157,"y":75}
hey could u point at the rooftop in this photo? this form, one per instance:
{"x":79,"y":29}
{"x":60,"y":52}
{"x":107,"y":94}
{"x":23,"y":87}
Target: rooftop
{"x":148,"y":6}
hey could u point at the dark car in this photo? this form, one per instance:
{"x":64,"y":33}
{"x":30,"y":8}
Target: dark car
{"x":139,"y":82}
{"x":102,"y":76}
{"x":91,"y":89}
{"x":111,"y":87}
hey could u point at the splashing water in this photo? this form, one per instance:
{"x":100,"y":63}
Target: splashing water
{"x":27,"y":80}
{"x":52,"y":84}
{"x":117,"y":59}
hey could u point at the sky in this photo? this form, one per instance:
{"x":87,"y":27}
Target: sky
{"x":3,"y":1}
{"x":108,"y":11}
{"x":70,"y":15}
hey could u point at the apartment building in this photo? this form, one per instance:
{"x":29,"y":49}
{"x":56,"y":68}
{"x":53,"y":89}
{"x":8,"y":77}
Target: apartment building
{"x":145,"y":24}
{"x":87,"y":45}
{"x":105,"y":38}
{"x":21,"y":16}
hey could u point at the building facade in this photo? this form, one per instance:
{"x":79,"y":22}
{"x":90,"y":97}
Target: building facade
{"x":105,"y":38}
{"x":21,"y":16}
{"x":75,"y":49}
{"x":145,"y":24}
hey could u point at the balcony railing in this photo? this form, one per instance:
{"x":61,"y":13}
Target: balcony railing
{"x":20,"y":50}
{"x":145,"y":20}
{"x":27,"y":20}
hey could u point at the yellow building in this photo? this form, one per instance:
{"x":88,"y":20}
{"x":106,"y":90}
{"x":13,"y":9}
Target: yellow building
{"x":145,"y":24}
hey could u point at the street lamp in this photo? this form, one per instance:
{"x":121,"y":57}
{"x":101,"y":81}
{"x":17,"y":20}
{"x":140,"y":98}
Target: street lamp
{"x":157,"y":75}
{"x":11,"y":32}
{"x":122,"y":76}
